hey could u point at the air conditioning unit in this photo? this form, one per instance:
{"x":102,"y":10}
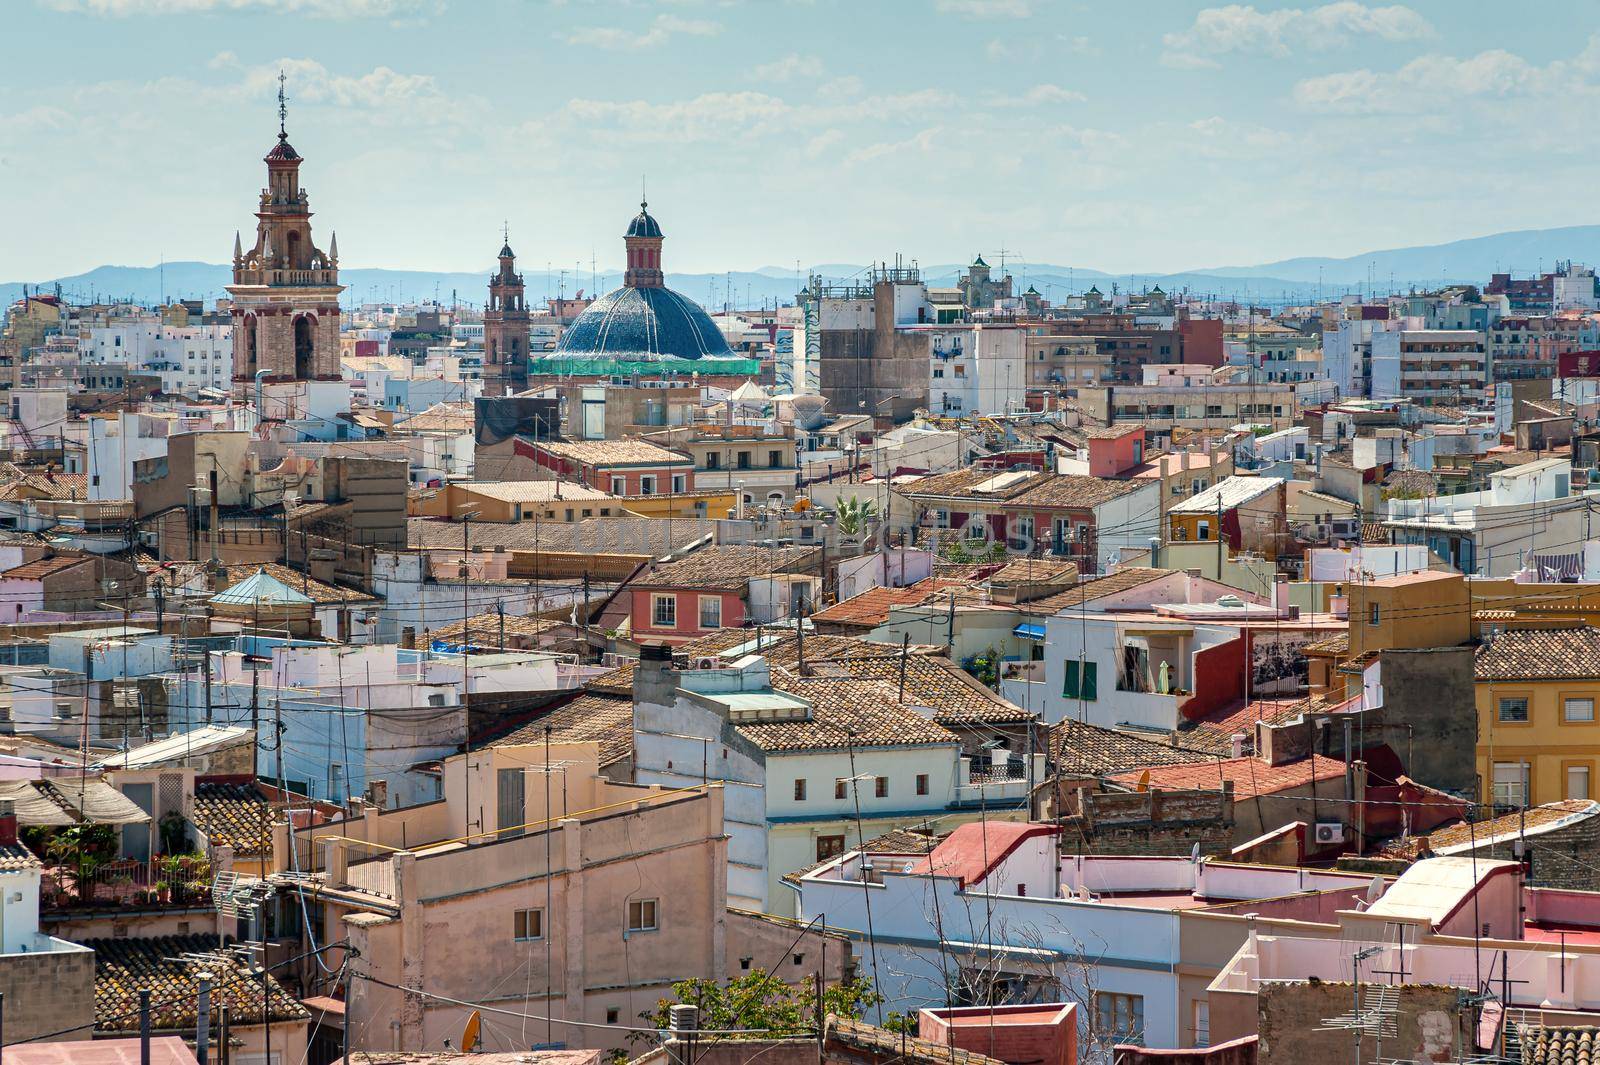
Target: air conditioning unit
{"x":706,"y":662}
{"x":1328,"y":832}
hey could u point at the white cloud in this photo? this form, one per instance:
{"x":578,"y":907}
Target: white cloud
{"x":222,"y":61}
{"x":921,"y":143}
{"x":841,"y":88}
{"x":790,"y":67}
{"x":342,"y":9}
{"x":1431,"y":81}
{"x":987,"y":8}
{"x":819,"y":145}
{"x":662,"y":30}
{"x":1243,"y":28}
{"x":1039,"y":95}
{"x":1188,"y":61}
{"x":1079,"y":45}
{"x":996,"y":49}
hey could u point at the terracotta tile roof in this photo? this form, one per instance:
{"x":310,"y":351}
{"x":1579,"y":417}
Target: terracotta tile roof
{"x":1112,"y":584}
{"x":894,"y":841}
{"x":867,"y":713}
{"x":1564,"y":1044}
{"x":534,"y":491}
{"x":1409,"y":483}
{"x":1249,"y":775}
{"x":1463,"y":835}
{"x":124,"y":967}
{"x":1113,"y":432}
{"x":1333,"y":645}
{"x":1540,"y":654}
{"x":1374,"y":532}
{"x":1214,"y":732}
{"x":235,"y":815}
{"x":299,"y":580}
{"x":1035,"y":571}
{"x":441,"y":417}
{"x":1077,"y":491}
{"x":729,"y":566}
{"x":15,"y":857}
{"x":593,"y":717}
{"x":613,"y":452}
{"x":486,"y":628}
{"x":1077,"y":747}
{"x":871,"y":608}
{"x":44,"y":567}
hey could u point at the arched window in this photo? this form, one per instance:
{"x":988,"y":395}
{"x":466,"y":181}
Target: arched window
{"x":304,"y":346}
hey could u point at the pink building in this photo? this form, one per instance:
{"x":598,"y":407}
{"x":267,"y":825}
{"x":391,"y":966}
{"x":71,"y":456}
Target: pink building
{"x":1115,"y":450}
{"x":720,"y":587}
{"x":585,"y":912}
{"x":620,"y":467}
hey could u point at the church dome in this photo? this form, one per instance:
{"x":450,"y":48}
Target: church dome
{"x":643,"y":225}
{"x":644,"y":325}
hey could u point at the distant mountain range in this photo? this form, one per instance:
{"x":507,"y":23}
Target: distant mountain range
{"x":1287,"y":281}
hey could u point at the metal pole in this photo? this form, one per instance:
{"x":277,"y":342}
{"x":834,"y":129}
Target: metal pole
{"x":144,"y":1027}
{"x":223,"y":1051}
{"x":349,"y":1013}
{"x":202,"y":1030}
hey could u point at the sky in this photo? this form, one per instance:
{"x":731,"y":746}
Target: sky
{"x":1154,"y":137}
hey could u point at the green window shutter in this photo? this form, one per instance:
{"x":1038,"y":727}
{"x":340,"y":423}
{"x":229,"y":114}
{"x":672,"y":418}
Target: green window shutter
{"x":1069,"y":686}
{"x":1090,"y":688}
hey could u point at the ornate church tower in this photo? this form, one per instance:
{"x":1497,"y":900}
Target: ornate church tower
{"x":505,"y":329}
{"x":643,"y":242}
{"x":285,"y":289}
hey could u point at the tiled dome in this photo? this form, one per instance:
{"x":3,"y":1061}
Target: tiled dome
{"x":643,"y":225}
{"x":651,"y":324}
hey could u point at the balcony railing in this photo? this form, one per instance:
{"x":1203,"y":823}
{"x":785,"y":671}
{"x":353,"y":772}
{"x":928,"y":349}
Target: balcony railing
{"x":171,"y":882}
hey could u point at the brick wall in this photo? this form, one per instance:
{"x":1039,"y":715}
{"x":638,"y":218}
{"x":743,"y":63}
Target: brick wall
{"x":1148,"y":822}
{"x":1431,"y":1024}
{"x":48,"y":992}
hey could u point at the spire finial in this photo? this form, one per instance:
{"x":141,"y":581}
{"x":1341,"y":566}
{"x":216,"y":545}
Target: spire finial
{"x":505,"y":232}
{"x":643,"y":200}
{"x":283,"y":108}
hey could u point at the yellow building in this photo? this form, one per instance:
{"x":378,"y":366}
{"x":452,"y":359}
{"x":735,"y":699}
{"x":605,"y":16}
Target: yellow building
{"x":1538,"y":735}
{"x":1411,"y":610}
{"x":710,"y":505}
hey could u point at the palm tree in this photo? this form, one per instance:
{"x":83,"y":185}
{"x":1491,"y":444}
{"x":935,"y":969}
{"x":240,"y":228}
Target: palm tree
{"x":854,"y":513}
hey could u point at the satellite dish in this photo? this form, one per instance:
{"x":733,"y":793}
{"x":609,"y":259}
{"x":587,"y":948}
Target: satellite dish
{"x":469,"y":1034}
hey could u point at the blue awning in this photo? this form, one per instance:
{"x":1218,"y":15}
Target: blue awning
{"x":1027,"y":631}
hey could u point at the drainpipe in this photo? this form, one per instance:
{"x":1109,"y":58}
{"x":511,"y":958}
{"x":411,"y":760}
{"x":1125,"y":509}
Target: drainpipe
{"x":259,"y":375}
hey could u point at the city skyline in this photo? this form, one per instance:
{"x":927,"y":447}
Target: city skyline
{"x":769,"y":134}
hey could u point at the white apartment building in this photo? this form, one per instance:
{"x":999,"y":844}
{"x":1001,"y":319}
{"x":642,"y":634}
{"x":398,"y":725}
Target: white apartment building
{"x":1430,"y":366}
{"x":976,"y":369}
{"x":187,"y":358}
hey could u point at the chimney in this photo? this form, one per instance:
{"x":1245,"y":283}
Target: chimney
{"x":8,"y":822}
{"x":653,"y":681}
{"x":1280,"y":594}
{"x":1236,"y":745}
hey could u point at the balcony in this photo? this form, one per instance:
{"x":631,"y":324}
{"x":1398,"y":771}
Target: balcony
{"x":176,"y":882}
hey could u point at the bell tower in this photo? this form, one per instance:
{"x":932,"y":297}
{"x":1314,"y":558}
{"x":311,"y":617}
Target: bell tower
{"x":285,"y":289}
{"x":505,"y":328}
{"x":643,"y":245}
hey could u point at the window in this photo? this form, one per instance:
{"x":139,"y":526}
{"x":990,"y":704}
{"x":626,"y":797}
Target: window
{"x":744,"y":460}
{"x":839,"y":791}
{"x":1577,"y":782}
{"x":711,"y":612}
{"x":619,"y":486}
{"x":642,"y":915}
{"x":1081,"y":681}
{"x":1202,"y":1023}
{"x":800,"y":790}
{"x":647,"y":485}
{"x":1374,"y":614}
{"x":1510,"y":785}
{"x":922,"y":783}
{"x":1577,"y":710}
{"x":1119,"y":1018}
{"x":880,"y":787}
{"x":664,"y":611}
{"x":1514,"y":710}
{"x":527,"y":925}
{"x":611,"y":1015}
{"x":713,"y":460}
{"x":1202,"y":530}
{"x":829,"y":847}
{"x":680,"y":483}
{"x":774,"y":459}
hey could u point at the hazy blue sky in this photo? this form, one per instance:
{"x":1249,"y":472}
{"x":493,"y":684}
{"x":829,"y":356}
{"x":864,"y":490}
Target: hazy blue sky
{"x":1156,"y":136}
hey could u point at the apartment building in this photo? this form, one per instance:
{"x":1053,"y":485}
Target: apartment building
{"x":1430,"y":366}
{"x":976,"y":369}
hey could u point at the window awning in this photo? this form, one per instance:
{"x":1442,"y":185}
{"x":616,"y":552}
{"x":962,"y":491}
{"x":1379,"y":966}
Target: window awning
{"x":1028,"y":631}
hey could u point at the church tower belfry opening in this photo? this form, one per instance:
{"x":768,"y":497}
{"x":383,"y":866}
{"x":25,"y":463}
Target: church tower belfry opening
{"x":506,"y":325}
{"x":285,"y":289}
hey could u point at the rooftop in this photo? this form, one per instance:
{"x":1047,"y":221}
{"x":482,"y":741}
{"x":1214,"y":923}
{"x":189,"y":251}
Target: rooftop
{"x":1226,"y":494}
{"x":164,"y":966}
{"x":974,"y":850}
{"x":613,"y":452}
{"x":1249,"y":776}
{"x":441,"y":417}
{"x":234,"y":814}
{"x":533,"y":491}
{"x":1078,"y":491}
{"x":728,"y":566}
{"x":1539,"y":654}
